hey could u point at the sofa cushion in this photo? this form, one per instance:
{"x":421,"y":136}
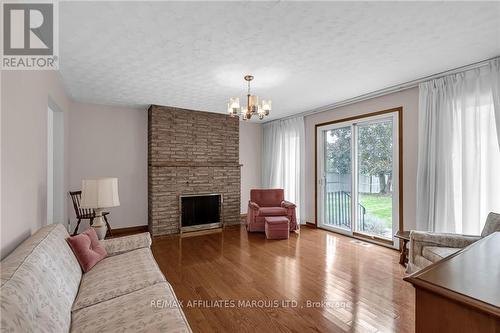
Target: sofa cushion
{"x":277,"y":221}
{"x":40,"y":280}
{"x":87,"y":249}
{"x":419,"y":262}
{"x":120,"y":245}
{"x":272,"y":211}
{"x":116,"y":276}
{"x":151,"y":309}
{"x":436,"y":253}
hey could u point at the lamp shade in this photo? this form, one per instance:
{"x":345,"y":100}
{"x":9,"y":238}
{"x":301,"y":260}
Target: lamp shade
{"x":100,"y":193}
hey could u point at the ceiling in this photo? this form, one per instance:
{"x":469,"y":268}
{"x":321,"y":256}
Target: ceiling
{"x":303,"y":55}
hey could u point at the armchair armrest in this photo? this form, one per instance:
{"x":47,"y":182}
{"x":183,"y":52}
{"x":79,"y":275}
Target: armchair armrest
{"x":119,"y":245}
{"x":253,"y":205}
{"x":420,"y":239}
{"x":287,"y":204}
{"x":290,"y":208}
{"x":443,"y":239}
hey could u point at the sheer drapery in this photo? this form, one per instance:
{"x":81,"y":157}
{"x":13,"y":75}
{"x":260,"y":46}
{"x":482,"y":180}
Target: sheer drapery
{"x":458,"y":178}
{"x":283,"y":159}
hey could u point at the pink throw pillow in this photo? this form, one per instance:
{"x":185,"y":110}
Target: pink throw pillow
{"x":87,"y":249}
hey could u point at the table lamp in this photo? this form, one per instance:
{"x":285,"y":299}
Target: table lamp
{"x":99,"y":193}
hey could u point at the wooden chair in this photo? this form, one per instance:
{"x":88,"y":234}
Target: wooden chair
{"x":85,"y":213}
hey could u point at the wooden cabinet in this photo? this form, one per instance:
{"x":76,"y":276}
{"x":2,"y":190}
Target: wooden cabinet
{"x":460,"y":293}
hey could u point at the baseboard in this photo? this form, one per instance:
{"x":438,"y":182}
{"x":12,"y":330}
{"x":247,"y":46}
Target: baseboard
{"x":311,"y":225}
{"x":118,"y":232}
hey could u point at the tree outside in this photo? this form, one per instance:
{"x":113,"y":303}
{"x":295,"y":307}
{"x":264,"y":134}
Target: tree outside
{"x":375,"y":153}
{"x":339,"y":151}
{"x":374,"y":148}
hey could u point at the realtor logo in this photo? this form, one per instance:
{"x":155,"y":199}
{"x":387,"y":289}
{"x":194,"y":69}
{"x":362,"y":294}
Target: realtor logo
{"x":29,"y":36}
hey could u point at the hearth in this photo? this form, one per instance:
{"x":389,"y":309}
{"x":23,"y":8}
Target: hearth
{"x":200,"y":211}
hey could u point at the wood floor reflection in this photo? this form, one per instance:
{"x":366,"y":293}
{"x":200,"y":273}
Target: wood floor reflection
{"x":317,"y":281}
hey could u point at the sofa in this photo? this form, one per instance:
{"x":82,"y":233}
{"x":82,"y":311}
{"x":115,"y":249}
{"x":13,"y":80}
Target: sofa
{"x":268,"y":202}
{"x":43,"y":288}
{"x":426,"y":248}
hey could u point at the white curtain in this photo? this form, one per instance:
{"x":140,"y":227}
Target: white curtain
{"x":458,"y":178}
{"x":283,"y":160}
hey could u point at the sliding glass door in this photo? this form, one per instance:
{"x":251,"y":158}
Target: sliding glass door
{"x":358,"y":177}
{"x":336,"y":177}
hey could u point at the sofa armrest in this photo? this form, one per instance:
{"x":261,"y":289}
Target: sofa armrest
{"x":119,"y":245}
{"x":287,"y":204}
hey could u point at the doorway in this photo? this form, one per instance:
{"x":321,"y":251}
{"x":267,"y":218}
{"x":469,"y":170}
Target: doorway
{"x":55,"y":166}
{"x":358,"y":169}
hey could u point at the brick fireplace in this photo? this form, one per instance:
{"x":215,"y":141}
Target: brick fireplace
{"x":190,"y":152}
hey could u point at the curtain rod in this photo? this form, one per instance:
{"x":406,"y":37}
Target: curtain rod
{"x":386,"y":91}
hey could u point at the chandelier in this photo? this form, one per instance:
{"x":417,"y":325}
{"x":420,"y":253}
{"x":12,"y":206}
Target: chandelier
{"x":252,"y":107}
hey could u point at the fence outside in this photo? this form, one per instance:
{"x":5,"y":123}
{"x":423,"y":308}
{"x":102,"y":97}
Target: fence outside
{"x":338,"y":210}
{"x":366,"y":184}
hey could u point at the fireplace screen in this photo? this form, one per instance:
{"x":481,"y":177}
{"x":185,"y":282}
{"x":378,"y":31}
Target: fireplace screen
{"x":200,"y":211}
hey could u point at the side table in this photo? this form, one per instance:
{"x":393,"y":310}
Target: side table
{"x":405,"y":237}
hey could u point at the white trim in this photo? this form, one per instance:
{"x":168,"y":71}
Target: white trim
{"x":354,"y":174}
{"x":321,"y":171}
{"x":395,"y":178}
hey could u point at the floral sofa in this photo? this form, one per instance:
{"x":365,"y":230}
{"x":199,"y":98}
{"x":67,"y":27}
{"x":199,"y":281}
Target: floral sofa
{"x":43,"y":288}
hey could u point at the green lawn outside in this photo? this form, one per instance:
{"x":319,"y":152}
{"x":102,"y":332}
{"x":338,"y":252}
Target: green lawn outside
{"x":379,"y":206}
{"x":377,"y":218}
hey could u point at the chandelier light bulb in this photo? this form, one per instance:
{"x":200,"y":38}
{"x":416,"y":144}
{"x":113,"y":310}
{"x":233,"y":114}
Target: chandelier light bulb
{"x":235,"y":102}
{"x":266,"y":105}
{"x":233,"y":107}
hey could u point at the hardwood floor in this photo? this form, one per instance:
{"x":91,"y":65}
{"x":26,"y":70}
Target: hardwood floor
{"x":362,"y":284}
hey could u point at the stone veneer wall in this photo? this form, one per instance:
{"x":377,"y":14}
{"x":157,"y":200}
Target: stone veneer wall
{"x":190,"y":152}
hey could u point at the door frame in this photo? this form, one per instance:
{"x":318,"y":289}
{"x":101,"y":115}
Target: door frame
{"x":320,"y":149}
{"x":56,"y":195}
{"x":399,"y":111}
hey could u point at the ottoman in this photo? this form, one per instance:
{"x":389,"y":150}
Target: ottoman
{"x":277,"y":227}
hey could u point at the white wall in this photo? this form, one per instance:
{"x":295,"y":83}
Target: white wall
{"x":112,"y":141}
{"x":408,"y":99}
{"x":250,"y":157}
{"x":25,"y":98}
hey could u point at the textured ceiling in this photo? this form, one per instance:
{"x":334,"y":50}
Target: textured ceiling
{"x":303,"y":55}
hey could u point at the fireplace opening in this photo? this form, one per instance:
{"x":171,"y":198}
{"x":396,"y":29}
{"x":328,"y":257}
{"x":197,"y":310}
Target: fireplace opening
{"x":200,"y":211}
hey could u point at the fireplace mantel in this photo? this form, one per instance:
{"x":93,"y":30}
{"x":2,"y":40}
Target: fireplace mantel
{"x":191,"y":164}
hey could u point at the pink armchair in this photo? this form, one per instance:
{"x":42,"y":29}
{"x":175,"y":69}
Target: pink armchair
{"x":269,"y":203}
